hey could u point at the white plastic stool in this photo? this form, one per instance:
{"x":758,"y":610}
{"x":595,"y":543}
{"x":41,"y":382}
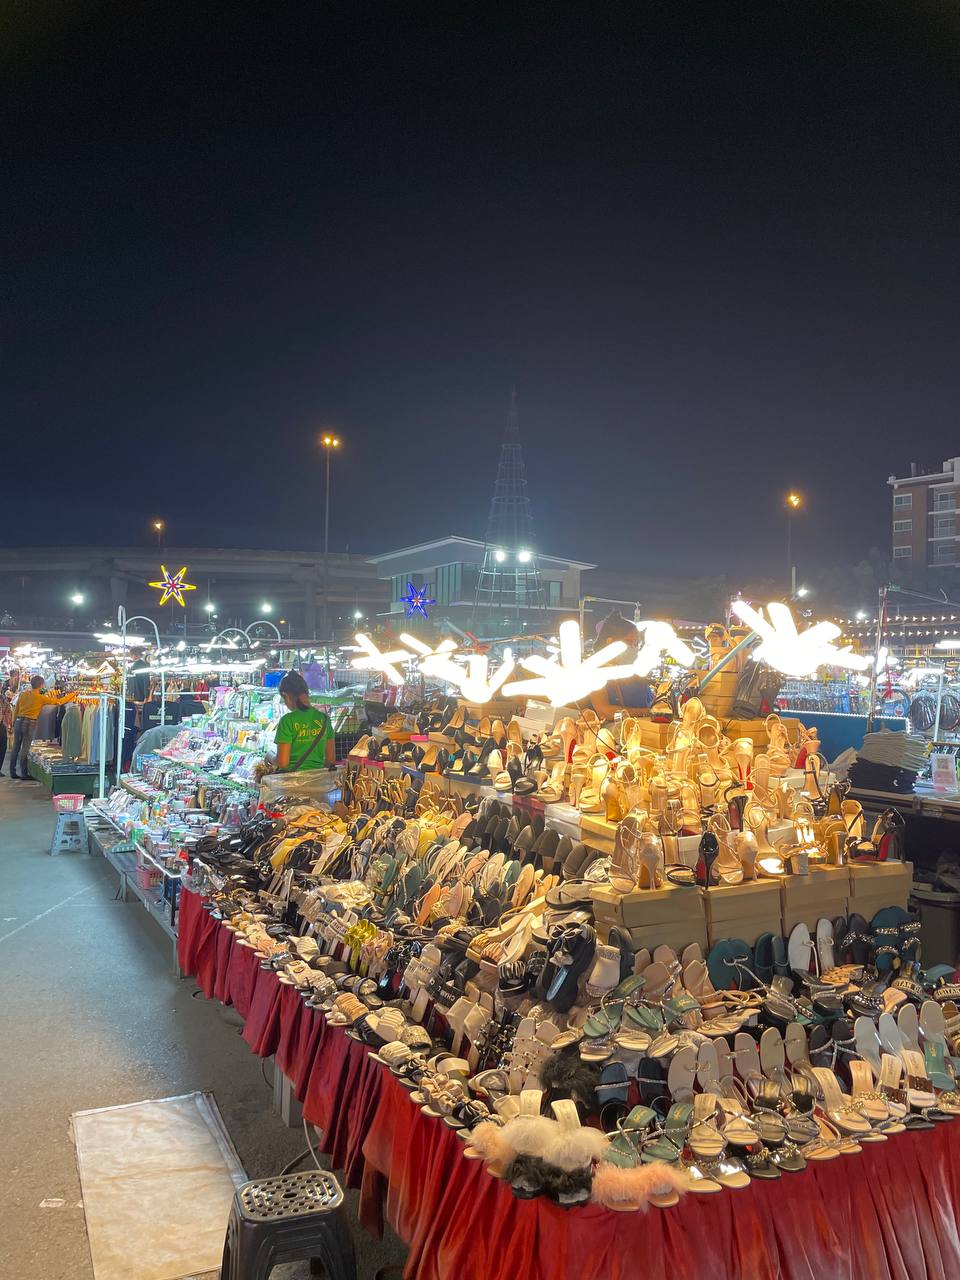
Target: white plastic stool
{"x":70,"y":835}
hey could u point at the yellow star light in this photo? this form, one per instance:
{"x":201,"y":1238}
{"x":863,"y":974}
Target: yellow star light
{"x":173,"y":587}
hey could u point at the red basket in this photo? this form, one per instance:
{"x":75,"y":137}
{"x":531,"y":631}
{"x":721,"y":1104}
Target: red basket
{"x":68,"y":803}
{"x":148,"y":877}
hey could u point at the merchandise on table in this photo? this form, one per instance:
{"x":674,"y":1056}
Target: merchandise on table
{"x":695,"y":972}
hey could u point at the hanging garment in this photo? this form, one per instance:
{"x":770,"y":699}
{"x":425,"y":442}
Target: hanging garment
{"x":95,"y":737}
{"x":46,"y":730}
{"x":89,"y":716}
{"x":71,"y":731}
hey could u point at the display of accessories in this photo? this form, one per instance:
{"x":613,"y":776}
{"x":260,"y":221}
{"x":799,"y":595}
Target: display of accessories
{"x":705,"y":980}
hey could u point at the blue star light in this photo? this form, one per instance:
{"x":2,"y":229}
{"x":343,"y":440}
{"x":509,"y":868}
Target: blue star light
{"x":416,"y":600}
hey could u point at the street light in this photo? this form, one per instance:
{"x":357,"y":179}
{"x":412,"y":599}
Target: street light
{"x":122,"y":621}
{"x":357,"y":613}
{"x":77,"y":598}
{"x":329,"y":443}
{"x":266,"y":607}
{"x":158,"y":527}
{"x":210,"y":607}
{"x":794,"y":501}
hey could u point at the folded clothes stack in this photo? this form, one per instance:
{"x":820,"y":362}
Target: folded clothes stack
{"x":898,"y":750}
{"x":867,"y":775}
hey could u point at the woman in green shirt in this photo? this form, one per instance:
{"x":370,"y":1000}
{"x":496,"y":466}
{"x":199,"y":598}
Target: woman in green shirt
{"x":304,"y":735}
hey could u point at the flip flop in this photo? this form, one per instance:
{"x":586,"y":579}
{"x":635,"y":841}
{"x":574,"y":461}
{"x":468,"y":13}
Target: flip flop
{"x":825,"y":951}
{"x":781,"y":966}
{"x":773,"y":1056}
{"x":708,"y":1067}
{"x":891,"y":1040}
{"x":935,"y":1045}
{"x":763,"y":958}
{"x":796,"y":1045}
{"x":908,"y":1025}
{"x":652,"y":1080}
{"x":729,"y":965}
{"x":747,"y":1059}
{"x":868,"y":1042}
{"x":682,"y":1074}
{"x":800,"y":949}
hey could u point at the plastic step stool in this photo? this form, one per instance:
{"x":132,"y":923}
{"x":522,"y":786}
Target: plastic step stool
{"x":289,"y":1218}
{"x":70,"y":835}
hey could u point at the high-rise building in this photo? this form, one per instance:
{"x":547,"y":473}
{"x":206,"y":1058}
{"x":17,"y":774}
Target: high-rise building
{"x":925,"y":530}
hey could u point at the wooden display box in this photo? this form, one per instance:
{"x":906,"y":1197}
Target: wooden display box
{"x":671,"y":904}
{"x":652,"y":735}
{"x":746,"y":928}
{"x":870,"y":878}
{"x":597,"y":833}
{"x":869,"y":905}
{"x":742,"y":910}
{"x":806,"y":899}
{"x":874,"y":886}
{"x":671,"y":916}
{"x":676,"y":934}
{"x":756,"y":730}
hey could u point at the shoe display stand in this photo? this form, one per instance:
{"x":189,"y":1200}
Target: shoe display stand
{"x":433,"y":926}
{"x":888,"y":1210}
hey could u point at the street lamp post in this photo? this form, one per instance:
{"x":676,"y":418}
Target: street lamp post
{"x":329,"y":443}
{"x":158,"y":527}
{"x":794,"y":503}
{"x":122,"y":621}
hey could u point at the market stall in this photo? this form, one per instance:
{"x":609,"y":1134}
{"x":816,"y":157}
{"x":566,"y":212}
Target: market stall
{"x":561,"y":968}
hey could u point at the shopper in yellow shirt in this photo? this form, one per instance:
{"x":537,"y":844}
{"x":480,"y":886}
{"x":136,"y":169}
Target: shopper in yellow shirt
{"x":30,"y":702}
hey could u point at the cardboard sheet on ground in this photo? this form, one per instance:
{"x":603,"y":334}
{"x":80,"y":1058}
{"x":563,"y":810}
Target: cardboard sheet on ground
{"x":158,"y":1180}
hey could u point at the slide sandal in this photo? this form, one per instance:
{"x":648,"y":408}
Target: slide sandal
{"x":825,"y":950}
{"x":933,"y":1026}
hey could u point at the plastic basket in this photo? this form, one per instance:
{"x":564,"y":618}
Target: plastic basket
{"x":68,"y":803}
{"x":148,"y":877}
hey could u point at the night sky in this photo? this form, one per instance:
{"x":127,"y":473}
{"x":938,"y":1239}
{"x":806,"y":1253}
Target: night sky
{"x":715,"y":247}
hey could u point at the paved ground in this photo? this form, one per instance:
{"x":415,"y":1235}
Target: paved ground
{"x":91,"y":1015}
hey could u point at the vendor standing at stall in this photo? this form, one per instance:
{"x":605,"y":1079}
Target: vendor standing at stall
{"x":30,"y":702}
{"x":304,"y":735}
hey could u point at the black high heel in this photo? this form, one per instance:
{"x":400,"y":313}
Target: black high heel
{"x":708,"y":853}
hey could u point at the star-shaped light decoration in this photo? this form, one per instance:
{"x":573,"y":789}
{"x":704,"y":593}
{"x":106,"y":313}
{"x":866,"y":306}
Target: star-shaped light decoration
{"x":417,"y":600}
{"x":660,"y":638}
{"x":173,"y":587}
{"x":570,"y":677}
{"x":474,"y":681}
{"x":374,"y":660}
{"x":796,"y":653}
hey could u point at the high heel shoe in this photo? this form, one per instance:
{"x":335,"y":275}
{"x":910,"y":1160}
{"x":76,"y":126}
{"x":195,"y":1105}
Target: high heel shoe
{"x":811,"y":777}
{"x":579,"y":774}
{"x":886,"y":840}
{"x":649,"y":860}
{"x":551,"y":791}
{"x":708,"y":853}
{"x":740,"y":756}
{"x":591,"y":800}
{"x":613,"y":797}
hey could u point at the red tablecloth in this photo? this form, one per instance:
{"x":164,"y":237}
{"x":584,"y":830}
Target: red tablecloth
{"x":886,"y":1214}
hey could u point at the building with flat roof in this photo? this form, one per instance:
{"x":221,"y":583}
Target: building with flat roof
{"x":924,"y":516}
{"x":450,"y":569}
